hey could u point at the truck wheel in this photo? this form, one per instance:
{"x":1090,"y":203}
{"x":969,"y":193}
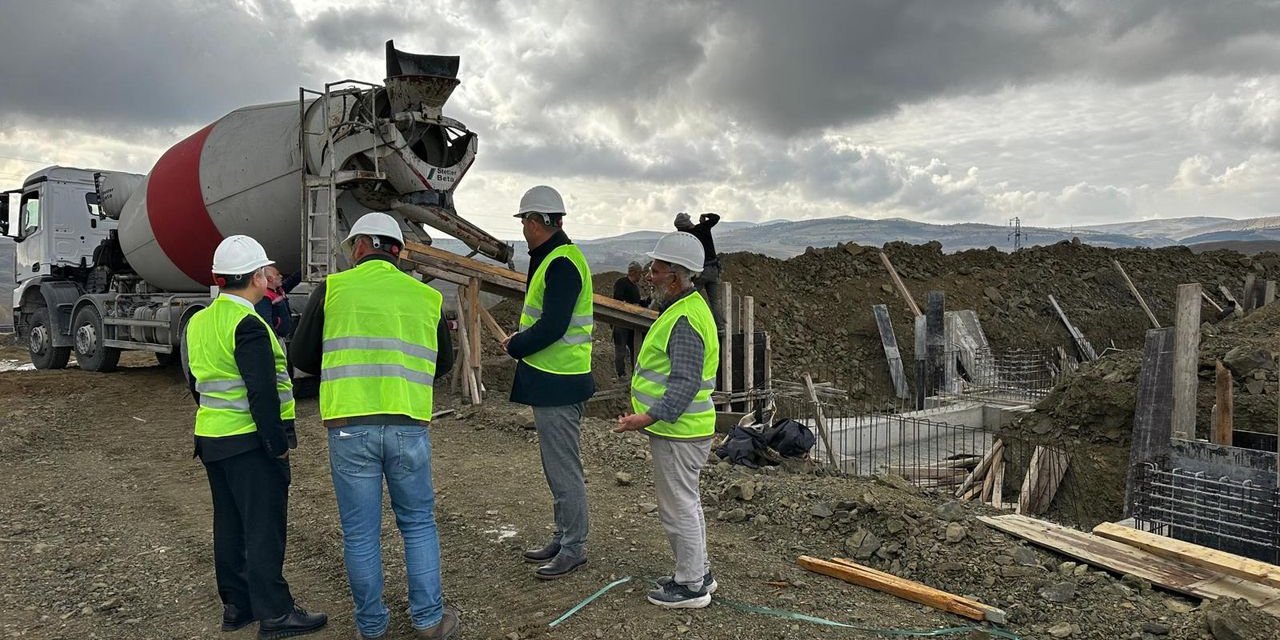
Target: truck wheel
{"x":40,"y":343}
{"x":90,"y":352}
{"x":167,"y":359}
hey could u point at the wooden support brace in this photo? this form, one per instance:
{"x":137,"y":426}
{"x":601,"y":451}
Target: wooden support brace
{"x":749,"y":349}
{"x":1186,"y":360}
{"x":726,"y":349}
{"x":979,"y":472}
{"x":1213,"y":303}
{"x":854,"y":573}
{"x":1220,"y":430}
{"x":493,"y":326}
{"x":821,"y":421}
{"x":997,"y":486}
{"x":902,"y":288}
{"x":1155,"y":324}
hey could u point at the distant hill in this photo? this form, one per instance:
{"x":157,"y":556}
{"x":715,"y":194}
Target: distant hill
{"x":784,"y":238}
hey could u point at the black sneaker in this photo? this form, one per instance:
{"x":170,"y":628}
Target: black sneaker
{"x":674,"y":595}
{"x":295,"y":623}
{"x":544,"y":554}
{"x":234,"y":618}
{"x":559,"y":567}
{"x":709,"y":583}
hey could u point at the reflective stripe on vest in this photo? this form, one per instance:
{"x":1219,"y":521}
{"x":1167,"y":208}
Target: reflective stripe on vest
{"x":224,"y":398}
{"x":379,"y":353}
{"x":653,"y":370}
{"x":571,"y":354}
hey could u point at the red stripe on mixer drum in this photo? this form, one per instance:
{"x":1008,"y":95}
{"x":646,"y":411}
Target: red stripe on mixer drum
{"x":176,"y":210}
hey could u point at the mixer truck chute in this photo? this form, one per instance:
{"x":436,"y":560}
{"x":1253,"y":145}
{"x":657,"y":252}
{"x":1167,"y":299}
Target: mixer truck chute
{"x":109,"y":261}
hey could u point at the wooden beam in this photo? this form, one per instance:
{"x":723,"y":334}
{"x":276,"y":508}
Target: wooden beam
{"x":997,"y":487}
{"x":854,"y":573}
{"x":1220,"y":429}
{"x":821,"y":421}
{"x":897,"y":283}
{"x":1186,"y":361}
{"x":470,"y":383}
{"x":749,"y":349}
{"x":1082,"y":344}
{"x":1121,"y":559}
{"x":1226,"y":294}
{"x":1053,"y":467}
{"x":726,"y":349}
{"x":1155,"y":324}
{"x":1230,"y":564}
{"x":1029,"y":482}
{"x":496,"y":329}
{"x":474,"y":330}
{"x":979,"y":472}
{"x":1213,"y":303}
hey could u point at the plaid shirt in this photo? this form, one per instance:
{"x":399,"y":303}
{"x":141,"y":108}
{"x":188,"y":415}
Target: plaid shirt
{"x":685,"y":350}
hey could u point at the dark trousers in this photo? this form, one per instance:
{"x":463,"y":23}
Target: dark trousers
{"x":250,"y":505}
{"x":624,"y":350}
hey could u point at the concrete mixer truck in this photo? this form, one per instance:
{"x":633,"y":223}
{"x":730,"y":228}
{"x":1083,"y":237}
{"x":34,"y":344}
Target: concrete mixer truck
{"x":110,"y":261}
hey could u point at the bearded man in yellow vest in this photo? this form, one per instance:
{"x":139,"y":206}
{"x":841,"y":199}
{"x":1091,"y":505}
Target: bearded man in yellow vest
{"x":376,"y":337}
{"x":553,"y":374}
{"x":244,"y":431}
{"x":671,"y":395}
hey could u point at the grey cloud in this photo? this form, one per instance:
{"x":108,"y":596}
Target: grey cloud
{"x":133,"y":63}
{"x":415,"y":27}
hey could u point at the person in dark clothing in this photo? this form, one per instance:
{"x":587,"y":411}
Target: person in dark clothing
{"x":274,"y":306}
{"x":708,"y":282}
{"x":243,"y":434}
{"x":626,"y":289}
{"x":553,"y":374}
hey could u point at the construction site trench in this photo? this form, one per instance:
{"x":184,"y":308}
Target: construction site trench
{"x":106,"y":528}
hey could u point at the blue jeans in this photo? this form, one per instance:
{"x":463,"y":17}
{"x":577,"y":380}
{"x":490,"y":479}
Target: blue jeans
{"x":359,"y":457}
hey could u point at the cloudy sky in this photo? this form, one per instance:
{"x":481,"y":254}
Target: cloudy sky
{"x":1064,"y":112}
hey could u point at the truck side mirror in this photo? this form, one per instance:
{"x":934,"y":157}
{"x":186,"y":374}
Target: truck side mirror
{"x":4,"y":214}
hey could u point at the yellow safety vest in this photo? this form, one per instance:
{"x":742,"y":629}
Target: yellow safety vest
{"x":571,"y":354}
{"x":653,"y":368}
{"x":211,"y":355}
{"x":379,"y":343}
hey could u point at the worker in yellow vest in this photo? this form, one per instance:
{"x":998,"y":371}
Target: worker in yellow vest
{"x":671,"y":396}
{"x":553,"y":374}
{"x":376,"y":337}
{"x":244,"y":431}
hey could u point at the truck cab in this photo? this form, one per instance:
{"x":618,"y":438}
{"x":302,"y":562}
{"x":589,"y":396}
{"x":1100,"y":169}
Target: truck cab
{"x":56,"y":223}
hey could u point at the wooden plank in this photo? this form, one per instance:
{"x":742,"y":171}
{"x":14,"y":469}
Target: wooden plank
{"x":474,"y":328}
{"x":1213,"y":303}
{"x":988,"y":482}
{"x":1082,"y":344}
{"x":997,"y":487}
{"x":749,"y":349}
{"x":1155,"y":324}
{"x":898,"y":284}
{"x":1226,"y":294}
{"x":1186,"y":360}
{"x":1220,"y":430}
{"x":456,"y":268}
{"x":726,"y":349}
{"x":1154,"y":404}
{"x":860,"y":575}
{"x":891,"y":353}
{"x":821,"y":421}
{"x":1029,"y":481}
{"x":1053,"y":466}
{"x":496,"y":329}
{"x":1121,"y":559}
{"x":1213,"y":559}
{"x":979,"y":472}
{"x":470,"y":384}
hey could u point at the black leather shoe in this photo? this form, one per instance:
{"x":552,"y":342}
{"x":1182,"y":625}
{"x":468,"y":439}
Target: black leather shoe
{"x":544,"y":554}
{"x":234,"y":618}
{"x":559,"y":567}
{"x":295,"y":623}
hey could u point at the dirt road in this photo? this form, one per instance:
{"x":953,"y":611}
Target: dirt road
{"x":106,"y":532}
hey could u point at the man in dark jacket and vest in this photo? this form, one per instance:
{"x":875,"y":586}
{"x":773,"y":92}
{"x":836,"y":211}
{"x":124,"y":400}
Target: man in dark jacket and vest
{"x":671,"y":396}
{"x":553,"y":374}
{"x":244,"y":430}
{"x":376,"y":337}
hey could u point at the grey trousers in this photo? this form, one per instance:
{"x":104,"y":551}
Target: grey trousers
{"x":559,"y":429}
{"x":677,"y":465}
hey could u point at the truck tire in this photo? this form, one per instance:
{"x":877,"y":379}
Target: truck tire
{"x":40,"y":343}
{"x":90,"y":352}
{"x":167,"y":359}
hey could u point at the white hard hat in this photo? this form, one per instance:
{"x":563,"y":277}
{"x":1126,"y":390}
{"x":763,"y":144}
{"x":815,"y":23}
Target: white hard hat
{"x":541,"y":199}
{"x":375,"y":224}
{"x":679,"y":248}
{"x":238,"y":255}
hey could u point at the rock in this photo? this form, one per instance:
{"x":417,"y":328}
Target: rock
{"x":950,"y":567}
{"x":1135,"y":583}
{"x":733,"y":515}
{"x":951,"y":511}
{"x":993,"y":295}
{"x":647,"y":507}
{"x":622,"y":478}
{"x":887,"y":289}
{"x":1025,"y":556}
{"x":1066,"y":568}
{"x":1002,"y":560}
{"x":1060,"y":630}
{"x":956,"y":532}
{"x":743,"y":490}
{"x":761,"y":520}
{"x":1018,"y":572}
{"x":1155,"y":628}
{"x":897,"y":482}
{"x":1254,"y":387}
{"x":821,"y":510}
{"x":1178,"y":606}
{"x":862,"y":544}
{"x":1061,"y":592}
{"x":1224,"y":627}
{"x":1243,"y":361}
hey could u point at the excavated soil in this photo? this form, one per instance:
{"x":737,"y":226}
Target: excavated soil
{"x":107,"y":522}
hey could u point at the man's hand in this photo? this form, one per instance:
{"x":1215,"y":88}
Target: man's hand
{"x":506,"y":342}
{"x":633,"y":422}
{"x":283,"y":456}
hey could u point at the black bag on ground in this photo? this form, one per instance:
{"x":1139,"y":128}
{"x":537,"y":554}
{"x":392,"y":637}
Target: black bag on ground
{"x":743,"y":446}
{"x":789,"y":438}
